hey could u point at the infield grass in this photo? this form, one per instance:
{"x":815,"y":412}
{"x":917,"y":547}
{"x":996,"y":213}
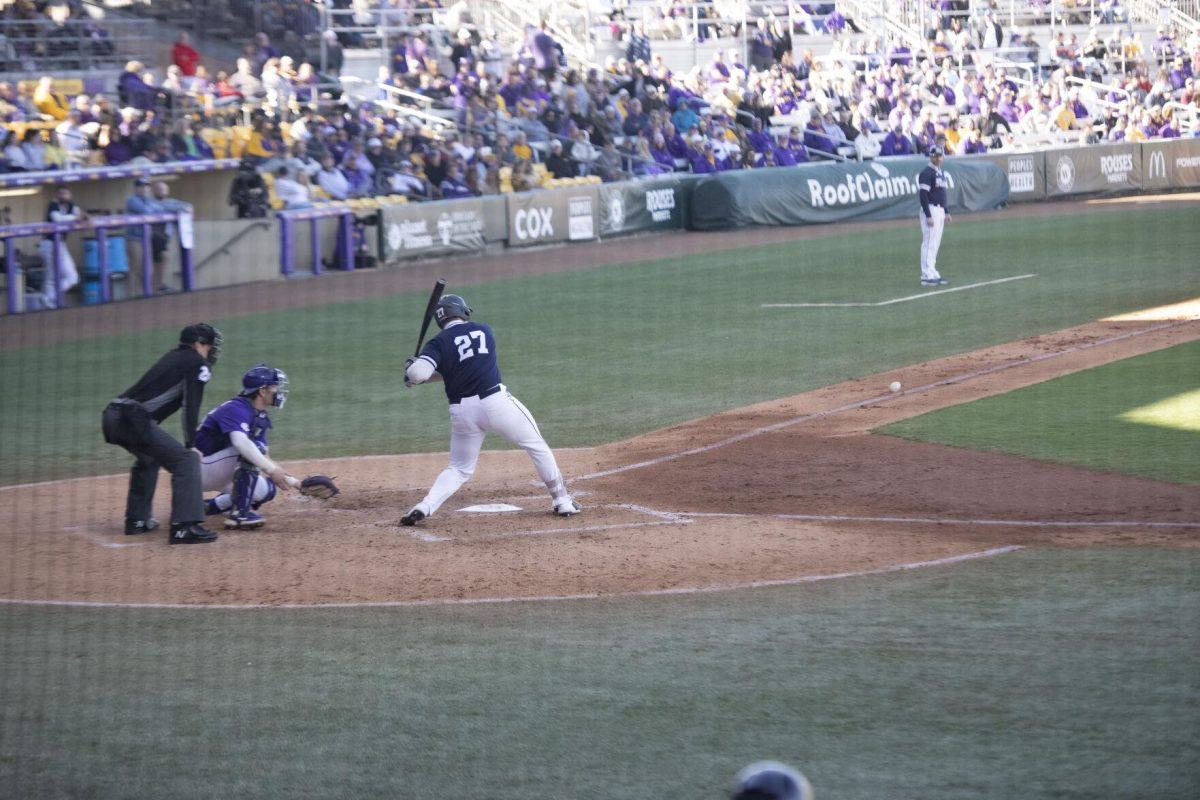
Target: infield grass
{"x":1139,"y":416}
{"x":1052,"y":673}
{"x":614,"y":351}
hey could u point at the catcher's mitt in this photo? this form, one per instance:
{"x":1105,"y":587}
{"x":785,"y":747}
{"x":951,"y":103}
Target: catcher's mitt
{"x":321,"y":487}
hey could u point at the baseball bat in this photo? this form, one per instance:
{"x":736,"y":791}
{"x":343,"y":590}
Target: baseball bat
{"x":434,"y":297}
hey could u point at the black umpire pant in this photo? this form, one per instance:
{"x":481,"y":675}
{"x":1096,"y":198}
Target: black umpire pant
{"x":129,"y":425}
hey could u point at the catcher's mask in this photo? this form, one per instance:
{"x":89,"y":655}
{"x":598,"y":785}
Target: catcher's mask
{"x":449,"y":307}
{"x":261,"y":375}
{"x":203,"y":333}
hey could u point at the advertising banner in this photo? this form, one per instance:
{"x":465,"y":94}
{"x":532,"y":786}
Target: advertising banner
{"x":644,"y":205}
{"x":1095,"y":169}
{"x":1026,"y":174}
{"x":431,"y":229}
{"x":831,"y":192}
{"x":552,"y":215}
{"x":1171,"y":164}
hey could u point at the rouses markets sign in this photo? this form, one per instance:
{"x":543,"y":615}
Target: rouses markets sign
{"x":1094,"y":169}
{"x":643,"y":205}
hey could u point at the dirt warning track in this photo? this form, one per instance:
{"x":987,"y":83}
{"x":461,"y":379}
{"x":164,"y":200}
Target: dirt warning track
{"x":784,"y":491}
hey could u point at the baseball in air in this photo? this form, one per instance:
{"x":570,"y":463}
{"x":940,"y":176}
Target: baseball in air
{"x":895,"y":387}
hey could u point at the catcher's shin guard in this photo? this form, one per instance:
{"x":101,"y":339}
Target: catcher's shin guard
{"x":245,"y":477}
{"x":264,"y":496}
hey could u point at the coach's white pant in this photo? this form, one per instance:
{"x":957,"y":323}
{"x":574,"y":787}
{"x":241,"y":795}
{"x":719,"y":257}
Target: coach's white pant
{"x":931,"y":240}
{"x":470,"y":421}
{"x":66,"y":265}
{"x":216,"y":475}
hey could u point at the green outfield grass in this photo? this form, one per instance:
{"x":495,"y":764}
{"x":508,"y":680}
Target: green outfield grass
{"x":1055,"y":673}
{"x":610,"y":352}
{"x":1139,"y":416}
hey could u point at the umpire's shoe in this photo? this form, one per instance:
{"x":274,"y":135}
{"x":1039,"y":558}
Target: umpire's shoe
{"x":412,"y":517}
{"x":190,"y":533}
{"x":136,"y":526}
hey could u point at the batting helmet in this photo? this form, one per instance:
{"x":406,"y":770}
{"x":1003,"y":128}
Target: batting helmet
{"x":261,"y":375}
{"x":771,"y":780}
{"x":449,"y":307}
{"x":203,"y":333}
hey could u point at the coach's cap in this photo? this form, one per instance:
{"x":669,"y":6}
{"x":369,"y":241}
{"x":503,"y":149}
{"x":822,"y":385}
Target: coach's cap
{"x":937,"y":150}
{"x":142,"y":182}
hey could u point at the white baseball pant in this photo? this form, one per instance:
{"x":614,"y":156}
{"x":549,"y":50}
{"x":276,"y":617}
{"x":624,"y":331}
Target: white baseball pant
{"x":216,"y":475}
{"x":931,"y":240}
{"x":470,"y":421}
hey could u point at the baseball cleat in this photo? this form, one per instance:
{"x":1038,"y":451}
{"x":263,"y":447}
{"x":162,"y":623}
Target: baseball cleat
{"x":412,"y":517}
{"x":246,"y":521}
{"x":190,"y":533}
{"x":136,"y":526}
{"x":566,"y":507}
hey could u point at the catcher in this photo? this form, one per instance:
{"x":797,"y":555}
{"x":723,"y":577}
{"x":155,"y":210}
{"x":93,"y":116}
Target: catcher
{"x":232,"y":441}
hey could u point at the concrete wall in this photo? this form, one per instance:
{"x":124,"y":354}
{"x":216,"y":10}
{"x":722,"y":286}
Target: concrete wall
{"x":255,"y":254}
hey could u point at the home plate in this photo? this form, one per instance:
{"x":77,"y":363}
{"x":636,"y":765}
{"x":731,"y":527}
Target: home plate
{"x":490,"y":508}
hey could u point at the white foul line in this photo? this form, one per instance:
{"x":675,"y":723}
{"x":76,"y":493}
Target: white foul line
{"x":899,"y":299}
{"x":682,"y":590}
{"x":1017,"y":523}
{"x":816,"y":415}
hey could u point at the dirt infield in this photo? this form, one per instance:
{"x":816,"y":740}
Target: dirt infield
{"x":773,"y":492}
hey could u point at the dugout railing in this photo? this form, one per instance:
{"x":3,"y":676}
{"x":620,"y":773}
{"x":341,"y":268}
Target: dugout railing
{"x":100,"y":227}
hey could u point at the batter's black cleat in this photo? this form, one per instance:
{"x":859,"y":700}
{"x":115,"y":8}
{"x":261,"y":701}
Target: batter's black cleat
{"x":190,"y":533}
{"x":412,"y":517}
{"x":136,"y":526}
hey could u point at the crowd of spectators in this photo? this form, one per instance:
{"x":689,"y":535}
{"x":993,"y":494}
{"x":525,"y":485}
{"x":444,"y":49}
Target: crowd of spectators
{"x":37,"y":33}
{"x":524,"y":117}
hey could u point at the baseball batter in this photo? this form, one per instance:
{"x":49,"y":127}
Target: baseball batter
{"x":232,"y":441}
{"x":931,"y":185}
{"x":463,"y":355}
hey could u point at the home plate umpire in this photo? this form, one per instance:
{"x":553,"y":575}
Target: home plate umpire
{"x":132,"y":420}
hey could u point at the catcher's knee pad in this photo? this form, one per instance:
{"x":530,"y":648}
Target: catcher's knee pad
{"x":245,"y":479}
{"x":264,"y":492}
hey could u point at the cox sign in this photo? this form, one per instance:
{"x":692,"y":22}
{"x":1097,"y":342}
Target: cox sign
{"x":534,"y":223}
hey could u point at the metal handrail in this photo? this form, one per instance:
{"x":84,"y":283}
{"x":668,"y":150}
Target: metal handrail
{"x":223,"y":249}
{"x":405,"y":93}
{"x":1097,"y":86}
{"x":433,"y":120}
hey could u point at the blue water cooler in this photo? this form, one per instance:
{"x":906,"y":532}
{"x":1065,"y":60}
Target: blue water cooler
{"x":118,"y":270}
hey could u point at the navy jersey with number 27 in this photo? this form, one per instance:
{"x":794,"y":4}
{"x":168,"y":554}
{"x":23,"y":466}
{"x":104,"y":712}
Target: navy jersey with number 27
{"x":465,"y":355}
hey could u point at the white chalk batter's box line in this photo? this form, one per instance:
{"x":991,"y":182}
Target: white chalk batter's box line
{"x":679,"y":590}
{"x":665,"y":517}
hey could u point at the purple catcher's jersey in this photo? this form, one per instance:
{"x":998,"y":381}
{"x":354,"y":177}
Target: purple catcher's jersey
{"x":465,"y":355}
{"x":237,"y":414}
